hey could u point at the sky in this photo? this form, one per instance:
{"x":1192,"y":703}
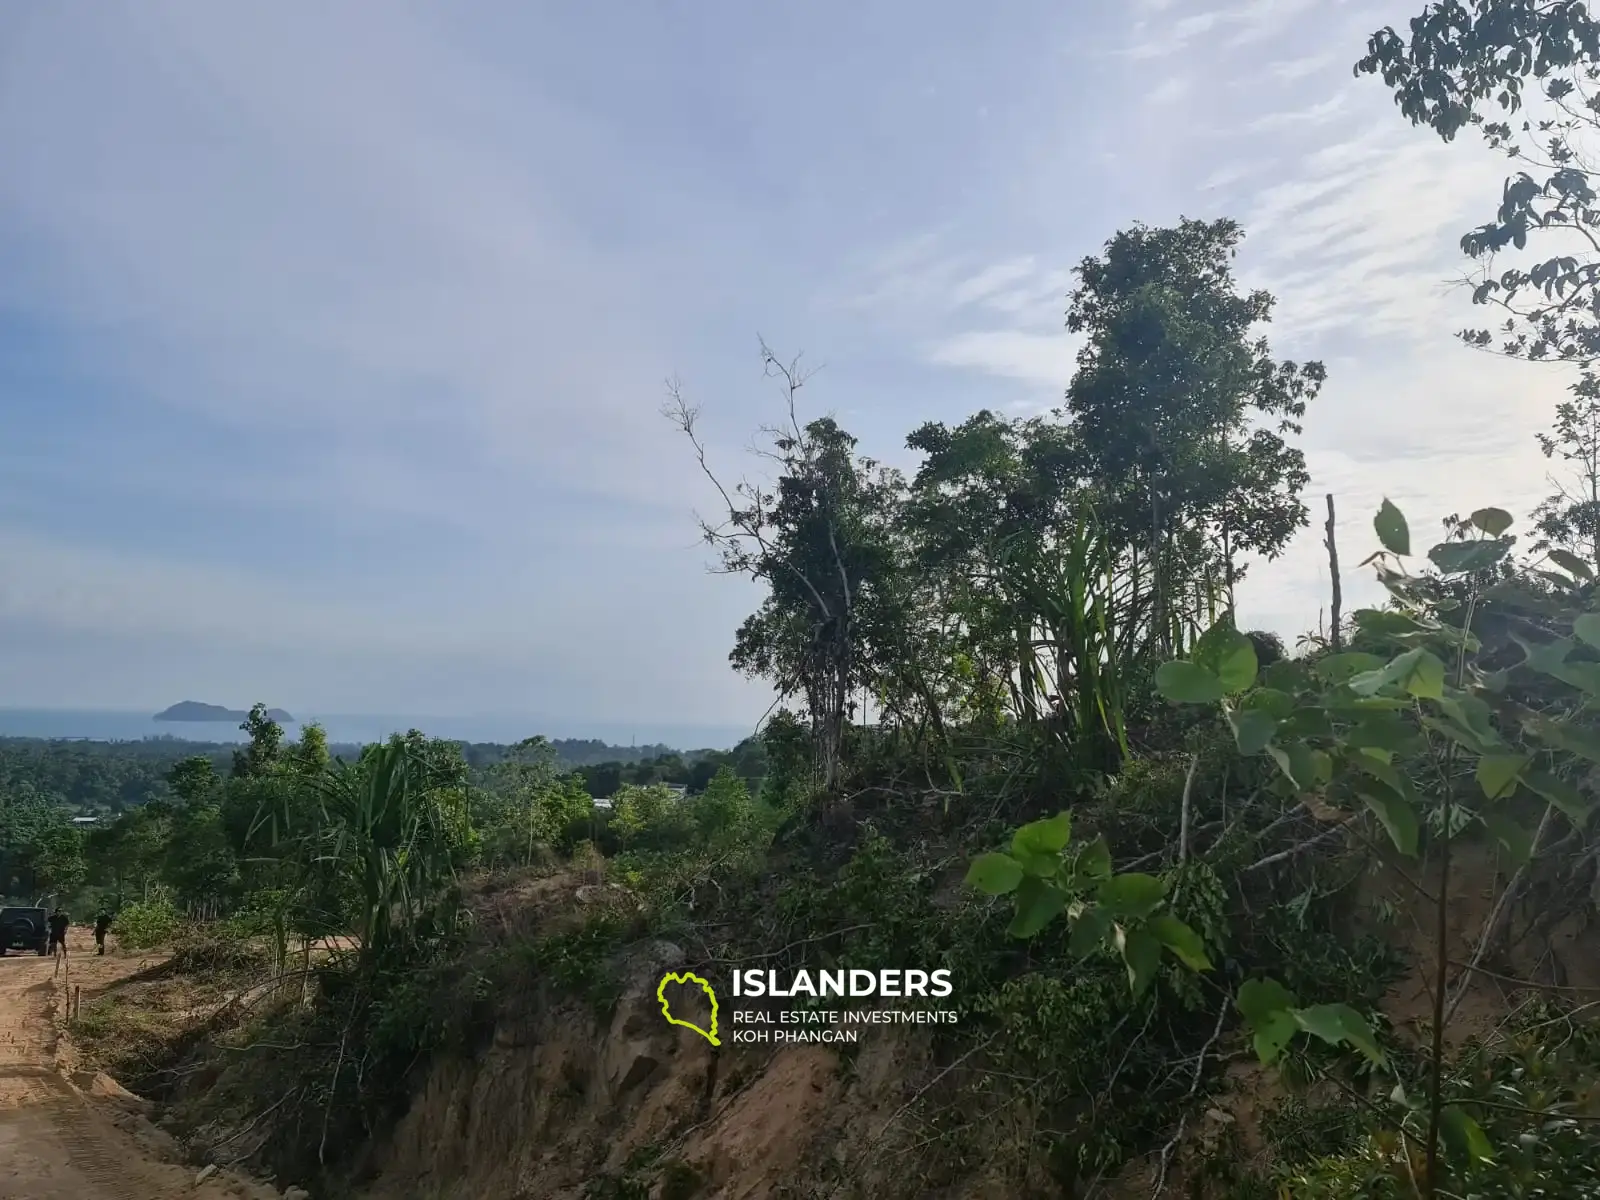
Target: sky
{"x":333,"y":336}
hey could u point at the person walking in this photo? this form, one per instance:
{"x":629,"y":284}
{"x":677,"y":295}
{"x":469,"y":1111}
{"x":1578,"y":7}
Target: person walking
{"x":102,"y":926}
{"x":59,"y":921}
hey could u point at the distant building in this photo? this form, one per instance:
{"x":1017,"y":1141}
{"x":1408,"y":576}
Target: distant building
{"x":86,"y":820}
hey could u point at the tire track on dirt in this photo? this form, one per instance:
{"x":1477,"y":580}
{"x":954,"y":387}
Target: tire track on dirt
{"x":55,"y":1144}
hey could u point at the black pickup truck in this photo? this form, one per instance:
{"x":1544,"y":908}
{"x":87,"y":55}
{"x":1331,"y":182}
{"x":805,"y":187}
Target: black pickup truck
{"x":24,"y":929}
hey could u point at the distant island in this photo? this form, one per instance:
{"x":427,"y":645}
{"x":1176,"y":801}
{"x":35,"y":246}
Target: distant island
{"x":193,"y":710}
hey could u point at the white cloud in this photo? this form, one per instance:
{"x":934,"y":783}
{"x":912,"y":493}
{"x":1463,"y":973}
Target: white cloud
{"x":1040,"y":359}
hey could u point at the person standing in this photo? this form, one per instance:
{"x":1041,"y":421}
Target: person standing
{"x":59,"y":921}
{"x":102,"y":926}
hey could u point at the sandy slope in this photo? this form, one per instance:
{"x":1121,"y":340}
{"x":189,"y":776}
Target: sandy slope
{"x":57,"y":1143}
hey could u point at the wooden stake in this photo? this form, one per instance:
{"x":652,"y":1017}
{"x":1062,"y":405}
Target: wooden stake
{"x":1333,"y":571}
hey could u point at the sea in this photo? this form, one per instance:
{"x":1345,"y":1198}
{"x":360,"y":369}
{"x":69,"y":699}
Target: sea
{"x":106,"y":725}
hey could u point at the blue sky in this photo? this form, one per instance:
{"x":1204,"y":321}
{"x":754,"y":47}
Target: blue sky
{"x":333,"y":337}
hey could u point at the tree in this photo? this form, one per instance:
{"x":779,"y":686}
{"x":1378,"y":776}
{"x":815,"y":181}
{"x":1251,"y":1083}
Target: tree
{"x":1568,"y":520}
{"x":821,"y":541}
{"x":1467,"y":64}
{"x":40,"y":851}
{"x":260,"y":755}
{"x":1180,"y":416}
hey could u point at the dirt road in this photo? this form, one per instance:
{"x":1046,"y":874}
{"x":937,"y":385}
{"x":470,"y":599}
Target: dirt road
{"x":55,"y":1142}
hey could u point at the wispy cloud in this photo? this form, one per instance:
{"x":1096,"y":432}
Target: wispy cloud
{"x":332,"y":346}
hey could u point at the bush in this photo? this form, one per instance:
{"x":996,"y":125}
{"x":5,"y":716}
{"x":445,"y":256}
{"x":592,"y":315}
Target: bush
{"x":145,"y":924}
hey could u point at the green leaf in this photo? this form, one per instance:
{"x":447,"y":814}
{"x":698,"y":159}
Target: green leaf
{"x":1038,"y":903}
{"x":1397,"y":817}
{"x":1132,"y":895}
{"x":1458,"y":734}
{"x":1563,"y":736}
{"x":1258,"y":999}
{"x":1094,"y":860}
{"x":1497,"y":774}
{"x":1306,"y":768}
{"x":1270,"y":701}
{"x":995,"y":874}
{"x":1462,"y":558}
{"x":1493,"y":521}
{"x":1049,"y":836}
{"x":1517,"y":840}
{"x":1184,"y":942}
{"x":1273,"y":1035}
{"x":1382,"y":731}
{"x":1391,"y":528}
{"x":1568,"y":800}
{"x":1473,"y":714}
{"x":1419,"y":672}
{"x":1252,"y":729}
{"x":1464,"y":1138}
{"x":1340,"y":1024}
{"x":1386,"y":622}
{"x":1572,"y":564}
{"x":1040,"y":866}
{"x":1089,"y":932}
{"x":1587,"y":629}
{"x":1185,"y":683}
{"x":1141,"y":952}
{"x":1337,"y":668}
{"x":1234,"y":663}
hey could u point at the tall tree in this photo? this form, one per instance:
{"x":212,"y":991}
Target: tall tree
{"x":1181,"y":414}
{"x":820,"y":539}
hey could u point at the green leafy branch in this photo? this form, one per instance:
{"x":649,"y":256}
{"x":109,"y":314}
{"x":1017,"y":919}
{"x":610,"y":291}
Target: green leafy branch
{"x":1048,"y":876}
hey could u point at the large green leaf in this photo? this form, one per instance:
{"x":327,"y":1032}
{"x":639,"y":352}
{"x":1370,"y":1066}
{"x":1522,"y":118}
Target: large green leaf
{"x":1382,"y":731}
{"x":1184,"y":942}
{"x":1141,"y":953}
{"x":1252,"y":729}
{"x":1474,"y":714}
{"x":1418,"y":672}
{"x":1306,"y":768}
{"x":1397,"y":817}
{"x":1185,"y":683}
{"x":1493,"y":521}
{"x":1563,"y":735}
{"x":1517,"y":840}
{"x":1340,"y":1024}
{"x":1570,"y":802}
{"x":1258,"y":999}
{"x":1391,"y":528}
{"x":1572,"y":564}
{"x":1462,"y":558}
{"x":995,"y":873}
{"x":1094,"y":860}
{"x":1337,"y":668}
{"x":1386,"y":622}
{"x":1272,"y":1035}
{"x":1038,"y":903}
{"x":1587,"y":629}
{"x":1228,"y":654}
{"x":1271,"y":701}
{"x":1089,"y":932}
{"x":1464,"y":1138}
{"x":1049,"y":836}
{"x":1132,"y":895}
{"x":1497,"y":774}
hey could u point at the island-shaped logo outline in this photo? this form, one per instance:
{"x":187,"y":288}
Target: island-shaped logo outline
{"x":688,"y":977}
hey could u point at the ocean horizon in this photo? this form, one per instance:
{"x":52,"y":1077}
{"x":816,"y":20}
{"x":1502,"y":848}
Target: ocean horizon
{"x":111,"y":725}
